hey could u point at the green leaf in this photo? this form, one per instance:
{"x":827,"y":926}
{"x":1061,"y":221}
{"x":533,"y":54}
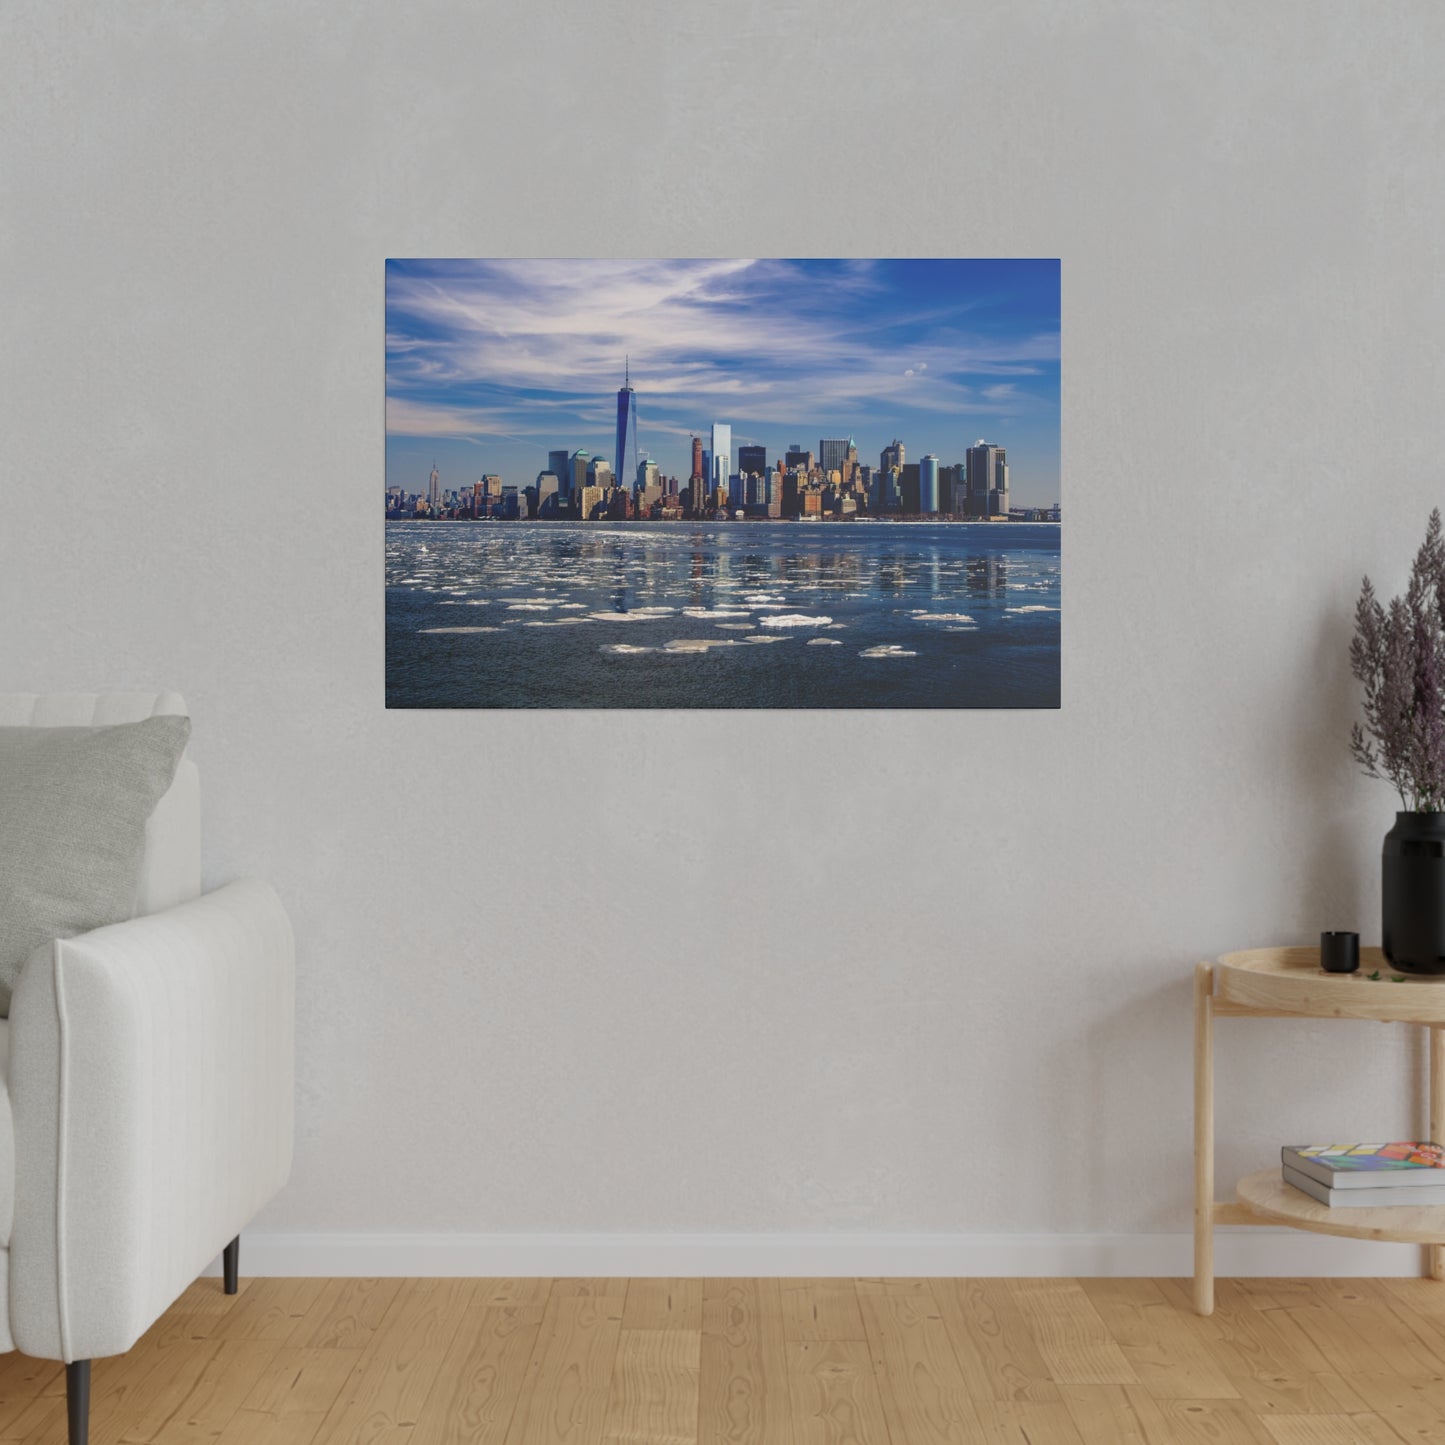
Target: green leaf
{"x":1376,"y":974}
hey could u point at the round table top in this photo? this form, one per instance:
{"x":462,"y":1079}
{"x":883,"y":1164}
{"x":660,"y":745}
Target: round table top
{"x":1290,"y":980}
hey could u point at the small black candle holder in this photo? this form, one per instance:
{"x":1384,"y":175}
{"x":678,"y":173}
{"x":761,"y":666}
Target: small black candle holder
{"x":1340,"y":952}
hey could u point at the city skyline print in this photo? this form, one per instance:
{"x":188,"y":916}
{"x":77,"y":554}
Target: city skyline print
{"x":723,"y":483}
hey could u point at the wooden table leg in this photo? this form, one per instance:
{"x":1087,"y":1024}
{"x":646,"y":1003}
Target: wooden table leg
{"x":1435,"y":1253}
{"x":1204,"y":1138}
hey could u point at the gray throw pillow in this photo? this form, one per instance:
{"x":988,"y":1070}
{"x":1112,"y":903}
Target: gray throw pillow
{"x":73,"y":809}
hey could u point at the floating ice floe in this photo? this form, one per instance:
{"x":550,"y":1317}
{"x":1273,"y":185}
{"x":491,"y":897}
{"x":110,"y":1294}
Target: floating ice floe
{"x":941,"y":617}
{"x":433,"y":630}
{"x":557,"y":622}
{"x":1032,"y":607}
{"x":641,"y":614}
{"x":698,"y":644}
{"x":887,"y":649}
{"x":794,"y":619}
{"x":707,"y":614}
{"x":624,"y":649}
{"x":529,"y":607}
{"x":735,"y":626}
{"x":824,"y":642}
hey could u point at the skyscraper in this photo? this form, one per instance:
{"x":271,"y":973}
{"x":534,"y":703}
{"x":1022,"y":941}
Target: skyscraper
{"x":892,"y":456}
{"x":722,"y":456}
{"x":557,"y":465}
{"x":697,"y":471}
{"x":987,"y":480}
{"x":434,"y":490}
{"x":833,"y":453}
{"x":626,"y":454}
{"x":928,"y":484}
{"x":909,"y":487}
{"x":577,"y":472}
{"x":752,"y":459}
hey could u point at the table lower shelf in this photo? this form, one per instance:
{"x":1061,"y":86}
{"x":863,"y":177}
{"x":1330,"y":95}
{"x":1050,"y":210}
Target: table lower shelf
{"x":1269,"y":1198}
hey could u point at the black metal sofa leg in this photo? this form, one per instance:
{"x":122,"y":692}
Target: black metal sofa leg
{"x":77,"y":1401}
{"x":77,"y":1374}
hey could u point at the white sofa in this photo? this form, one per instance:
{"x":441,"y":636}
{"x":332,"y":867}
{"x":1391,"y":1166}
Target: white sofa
{"x":147,"y":1070}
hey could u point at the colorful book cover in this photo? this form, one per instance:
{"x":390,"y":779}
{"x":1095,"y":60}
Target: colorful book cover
{"x":1366,"y":1158}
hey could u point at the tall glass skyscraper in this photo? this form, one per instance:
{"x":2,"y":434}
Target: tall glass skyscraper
{"x":928,"y":484}
{"x":833,"y":453}
{"x":627,"y":455}
{"x":722,"y":455}
{"x":560,"y":467}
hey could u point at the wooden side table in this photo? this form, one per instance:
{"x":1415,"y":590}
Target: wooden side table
{"x":1289,"y":983}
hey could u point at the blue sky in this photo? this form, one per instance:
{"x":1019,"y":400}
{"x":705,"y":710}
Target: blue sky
{"x":492,"y":364}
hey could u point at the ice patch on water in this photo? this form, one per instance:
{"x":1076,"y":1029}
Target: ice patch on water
{"x":571,"y":606}
{"x":887,"y":649}
{"x":557,"y":622}
{"x":824,"y":642}
{"x":433,"y":630}
{"x":529,"y":607}
{"x":758,"y":637}
{"x":795,"y":619}
{"x":642,"y":614}
{"x":735,"y":626}
{"x":941,"y":617}
{"x":624,"y":649}
{"x":707,"y":614}
{"x":1032,"y":607}
{"x":698,"y":644}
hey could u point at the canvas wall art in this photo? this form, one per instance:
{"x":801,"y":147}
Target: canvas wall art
{"x":722,"y":484}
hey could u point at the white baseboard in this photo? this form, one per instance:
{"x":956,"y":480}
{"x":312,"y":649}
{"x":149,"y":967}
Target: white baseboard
{"x":1241,"y":1252}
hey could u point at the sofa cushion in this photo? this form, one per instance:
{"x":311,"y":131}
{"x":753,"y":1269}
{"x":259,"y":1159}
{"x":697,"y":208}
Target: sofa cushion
{"x":73,"y":809}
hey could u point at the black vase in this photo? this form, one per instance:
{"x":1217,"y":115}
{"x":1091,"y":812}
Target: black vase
{"x":1414,"y":893}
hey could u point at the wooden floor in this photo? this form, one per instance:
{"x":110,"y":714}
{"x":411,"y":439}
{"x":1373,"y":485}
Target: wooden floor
{"x":765,"y":1362}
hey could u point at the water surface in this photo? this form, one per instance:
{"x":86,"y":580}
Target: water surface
{"x":742,"y":614}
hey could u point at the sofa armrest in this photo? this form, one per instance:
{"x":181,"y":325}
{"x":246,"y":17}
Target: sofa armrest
{"x":151,"y":1081}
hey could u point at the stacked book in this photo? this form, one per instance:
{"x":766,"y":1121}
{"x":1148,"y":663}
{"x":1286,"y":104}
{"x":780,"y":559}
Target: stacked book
{"x":1367,"y":1176}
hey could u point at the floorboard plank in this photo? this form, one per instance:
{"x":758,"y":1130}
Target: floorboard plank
{"x":834,"y":1395}
{"x":821,"y":1309}
{"x":654,"y":1398}
{"x":1165,"y":1347}
{"x":570,"y":1375}
{"x":743,"y":1394}
{"x":663,"y":1304}
{"x":925,"y":1396}
{"x":996,"y":1351}
{"x":477,"y":1389}
{"x":1074,"y":1342}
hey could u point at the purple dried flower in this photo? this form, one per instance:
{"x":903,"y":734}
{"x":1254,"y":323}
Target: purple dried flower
{"x":1399,"y":655}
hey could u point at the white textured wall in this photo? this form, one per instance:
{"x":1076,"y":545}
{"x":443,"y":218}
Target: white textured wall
{"x":946,"y":983}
